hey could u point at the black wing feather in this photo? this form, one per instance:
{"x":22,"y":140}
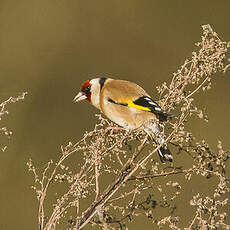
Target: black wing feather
{"x":148,"y":102}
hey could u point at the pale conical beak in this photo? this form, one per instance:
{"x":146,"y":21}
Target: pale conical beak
{"x":80,"y":96}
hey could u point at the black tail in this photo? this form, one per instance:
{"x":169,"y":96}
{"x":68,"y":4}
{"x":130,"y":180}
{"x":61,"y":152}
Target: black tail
{"x":165,"y":154}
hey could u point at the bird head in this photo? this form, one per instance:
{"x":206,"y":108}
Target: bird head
{"x":85,"y":92}
{"x":90,"y":90}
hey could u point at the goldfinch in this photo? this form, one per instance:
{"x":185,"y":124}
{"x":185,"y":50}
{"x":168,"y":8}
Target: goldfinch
{"x":129,"y":106}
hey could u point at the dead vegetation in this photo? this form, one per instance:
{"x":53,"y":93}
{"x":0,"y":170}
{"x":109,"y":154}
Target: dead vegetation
{"x":119,"y":177}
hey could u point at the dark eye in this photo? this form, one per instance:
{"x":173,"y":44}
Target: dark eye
{"x":86,"y":89}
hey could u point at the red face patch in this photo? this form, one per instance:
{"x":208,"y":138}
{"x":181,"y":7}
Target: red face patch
{"x":86,"y":84}
{"x":86,"y":87}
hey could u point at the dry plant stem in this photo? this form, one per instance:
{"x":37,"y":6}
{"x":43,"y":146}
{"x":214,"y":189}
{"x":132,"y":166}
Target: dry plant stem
{"x":10,"y":100}
{"x":174,"y":172}
{"x":121,"y":179}
{"x":194,"y":91}
{"x":139,"y":149}
{"x":122,"y":196}
{"x":50,"y":179}
{"x":193,"y":221}
{"x":97,"y":174}
{"x":41,"y":215}
{"x":82,"y":173}
{"x":111,"y":190}
{"x":119,"y":160}
{"x":112,"y":154}
{"x":3,"y":111}
{"x":182,"y":84}
{"x":164,"y":174}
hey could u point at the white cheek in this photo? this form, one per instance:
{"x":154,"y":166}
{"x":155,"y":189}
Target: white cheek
{"x":95,"y":100}
{"x":95,"y":94}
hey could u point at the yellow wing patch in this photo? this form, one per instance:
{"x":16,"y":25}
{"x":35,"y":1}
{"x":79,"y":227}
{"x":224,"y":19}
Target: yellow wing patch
{"x":131,"y":104}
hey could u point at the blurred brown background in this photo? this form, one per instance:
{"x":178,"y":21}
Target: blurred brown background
{"x":49,"y":47}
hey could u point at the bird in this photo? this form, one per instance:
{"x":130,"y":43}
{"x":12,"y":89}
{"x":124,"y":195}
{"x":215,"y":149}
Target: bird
{"x":128,"y":105}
